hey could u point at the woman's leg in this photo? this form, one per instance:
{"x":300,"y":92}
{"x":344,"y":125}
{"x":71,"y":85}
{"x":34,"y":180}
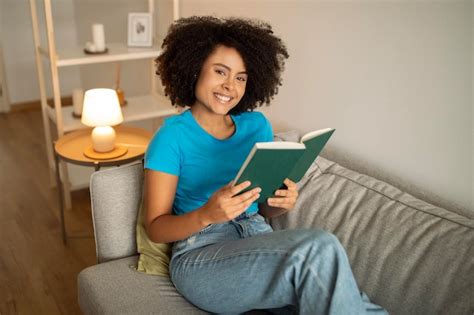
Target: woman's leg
{"x":306,"y":268}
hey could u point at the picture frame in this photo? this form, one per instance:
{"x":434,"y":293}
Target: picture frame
{"x":140,"y":29}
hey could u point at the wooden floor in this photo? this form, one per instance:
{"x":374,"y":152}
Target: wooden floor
{"x":38,"y":274}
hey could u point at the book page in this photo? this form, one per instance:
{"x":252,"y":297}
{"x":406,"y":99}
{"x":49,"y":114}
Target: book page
{"x":279,"y":145}
{"x":315,"y":133}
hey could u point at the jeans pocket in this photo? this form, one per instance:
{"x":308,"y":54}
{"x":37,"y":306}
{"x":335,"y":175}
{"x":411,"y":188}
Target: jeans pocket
{"x":207,"y":228}
{"x":184,"y":244}
{"x":259,"y":224}
{"x":257,"y":218}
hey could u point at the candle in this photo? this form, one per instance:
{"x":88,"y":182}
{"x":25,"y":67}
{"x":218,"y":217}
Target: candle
{"x":77,"y":101}
{"x":98,"y":37}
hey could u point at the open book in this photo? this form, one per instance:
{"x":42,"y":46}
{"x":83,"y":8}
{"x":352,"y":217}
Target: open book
{"x":269,"y":163}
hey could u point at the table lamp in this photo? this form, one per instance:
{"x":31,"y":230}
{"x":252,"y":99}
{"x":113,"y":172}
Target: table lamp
{"x":101,"y":110}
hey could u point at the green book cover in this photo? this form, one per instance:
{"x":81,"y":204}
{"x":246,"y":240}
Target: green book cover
{"x":269,"y":163}
{"x":314,"y":143}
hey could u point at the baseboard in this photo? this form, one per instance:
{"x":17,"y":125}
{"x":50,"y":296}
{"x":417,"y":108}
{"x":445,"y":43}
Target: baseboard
{"x":36,"y":105}
{"x":80,"y":186}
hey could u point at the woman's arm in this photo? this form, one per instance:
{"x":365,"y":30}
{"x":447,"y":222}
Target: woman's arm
{"x":164,"y":227}
{"x":161,"y":225}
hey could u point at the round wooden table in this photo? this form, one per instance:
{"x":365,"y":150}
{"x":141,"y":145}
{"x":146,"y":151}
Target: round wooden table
{"x":71,"y":146}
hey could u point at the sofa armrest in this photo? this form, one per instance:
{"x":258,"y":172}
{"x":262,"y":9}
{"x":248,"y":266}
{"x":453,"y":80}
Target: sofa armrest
{"x":116,"y":195}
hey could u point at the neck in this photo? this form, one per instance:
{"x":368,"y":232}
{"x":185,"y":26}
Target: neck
{"x":211,"y":120}
{"x":220,"y":126}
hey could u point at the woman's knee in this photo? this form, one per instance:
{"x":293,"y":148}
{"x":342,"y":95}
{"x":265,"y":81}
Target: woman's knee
{"x":322,"y":240}
{"x":325,"y":237}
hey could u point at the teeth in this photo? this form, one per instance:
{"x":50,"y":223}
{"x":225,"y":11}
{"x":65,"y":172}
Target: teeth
{"x":223,"y":98}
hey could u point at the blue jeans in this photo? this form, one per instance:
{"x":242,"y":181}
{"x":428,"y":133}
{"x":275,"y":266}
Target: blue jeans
{"x":242,"y":265}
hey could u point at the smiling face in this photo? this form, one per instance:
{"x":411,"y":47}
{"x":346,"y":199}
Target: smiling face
{"x":221,"y":83}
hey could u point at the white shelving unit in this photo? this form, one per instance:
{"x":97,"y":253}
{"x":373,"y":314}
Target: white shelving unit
{"x":117,"y":52}
{"x":150,"y":106}
{"x":138,"y":108}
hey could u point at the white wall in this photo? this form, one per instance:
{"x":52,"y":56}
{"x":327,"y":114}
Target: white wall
{"x":18,"y":45}
{"x":393,"y":77}
{"x":18,"y":48}
{"x":72,"y":25}
{"x":4,"y":99}
{"x":135,"y":75}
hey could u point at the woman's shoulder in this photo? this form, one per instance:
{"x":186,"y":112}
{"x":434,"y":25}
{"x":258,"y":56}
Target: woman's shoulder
{"x":174,"y":123}
{"x":170,"y":129}
{"x":256,"y":124}
{"x":178,"y":119}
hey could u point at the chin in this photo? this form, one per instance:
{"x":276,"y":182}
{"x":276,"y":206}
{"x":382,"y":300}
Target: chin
{"x":222,"y":109}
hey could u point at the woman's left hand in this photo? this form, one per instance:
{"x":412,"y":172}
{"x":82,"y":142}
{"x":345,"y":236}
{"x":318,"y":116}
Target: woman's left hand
{"x":285,"y":198}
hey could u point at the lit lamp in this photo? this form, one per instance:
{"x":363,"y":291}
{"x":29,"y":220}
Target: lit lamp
{"x":101,"y":110}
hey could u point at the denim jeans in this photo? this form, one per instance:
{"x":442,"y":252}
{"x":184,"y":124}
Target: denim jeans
{"x":241,"y":265}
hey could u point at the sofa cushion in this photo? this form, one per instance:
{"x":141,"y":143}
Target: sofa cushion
{"x":154,"y":257}
{"x":409,"y":256}
{"x":116,"y":287}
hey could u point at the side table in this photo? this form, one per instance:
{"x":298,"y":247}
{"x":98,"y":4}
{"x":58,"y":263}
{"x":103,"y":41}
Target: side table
{"x":70,"y":148}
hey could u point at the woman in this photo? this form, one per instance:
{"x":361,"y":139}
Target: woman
{"x":225,"y":257}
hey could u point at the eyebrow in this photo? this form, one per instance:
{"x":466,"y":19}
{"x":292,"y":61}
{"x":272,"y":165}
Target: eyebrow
{"x":228,"y":68}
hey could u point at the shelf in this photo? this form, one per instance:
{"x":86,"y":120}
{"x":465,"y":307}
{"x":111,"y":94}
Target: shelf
{"x":116,"y":52}
{"x":137,"y":108}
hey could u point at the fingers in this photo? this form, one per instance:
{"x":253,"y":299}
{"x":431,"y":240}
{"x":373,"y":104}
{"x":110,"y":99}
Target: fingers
{"x":290,"y":191}
{"x":238,"y":204}
{"x":232,"y":197}
{"x":251,"y":194}
{"x":245,"y":203}
{"x":286,"y":203}
{"x":234,"y":190}
{"x":286,"y":193}
{"x":286,"y":198}
{"x":290,"y":184}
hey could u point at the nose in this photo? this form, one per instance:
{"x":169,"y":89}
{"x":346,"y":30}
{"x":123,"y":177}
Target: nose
{"x":228,"y":84}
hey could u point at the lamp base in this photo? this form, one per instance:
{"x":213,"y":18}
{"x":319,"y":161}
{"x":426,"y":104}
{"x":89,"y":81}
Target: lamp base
{"x":115,"y":153}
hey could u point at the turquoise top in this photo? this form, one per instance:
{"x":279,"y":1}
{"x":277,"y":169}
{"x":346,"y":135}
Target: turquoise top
{"x":202,"y":162}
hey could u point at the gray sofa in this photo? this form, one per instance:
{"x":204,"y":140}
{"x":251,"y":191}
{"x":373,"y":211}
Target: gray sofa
{"x":407,"y":255}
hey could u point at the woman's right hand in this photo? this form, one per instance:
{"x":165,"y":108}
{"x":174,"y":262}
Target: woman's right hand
{"x":224,"y":205}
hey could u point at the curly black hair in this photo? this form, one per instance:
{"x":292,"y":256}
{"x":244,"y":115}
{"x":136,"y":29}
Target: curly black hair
{"x":190,"y":41}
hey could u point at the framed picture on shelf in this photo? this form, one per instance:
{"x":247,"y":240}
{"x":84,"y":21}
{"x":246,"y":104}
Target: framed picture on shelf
{"x":140,"y":30}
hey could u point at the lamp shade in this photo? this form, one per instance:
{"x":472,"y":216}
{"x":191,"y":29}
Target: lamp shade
{"x":101,"y":108}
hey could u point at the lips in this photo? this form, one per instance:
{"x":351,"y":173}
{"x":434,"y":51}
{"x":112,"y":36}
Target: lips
{"x":223,"y":98}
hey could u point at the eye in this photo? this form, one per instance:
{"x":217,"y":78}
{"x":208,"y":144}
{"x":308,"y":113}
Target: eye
{"x":218,"y":71}
{"x":243,"y":79}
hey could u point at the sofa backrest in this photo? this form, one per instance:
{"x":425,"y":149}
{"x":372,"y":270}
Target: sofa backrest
{"x":116,"y":195}
{"x":409,"y":256}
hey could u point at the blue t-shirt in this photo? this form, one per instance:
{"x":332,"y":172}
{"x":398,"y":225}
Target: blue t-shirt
{"x":202,"y":162}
